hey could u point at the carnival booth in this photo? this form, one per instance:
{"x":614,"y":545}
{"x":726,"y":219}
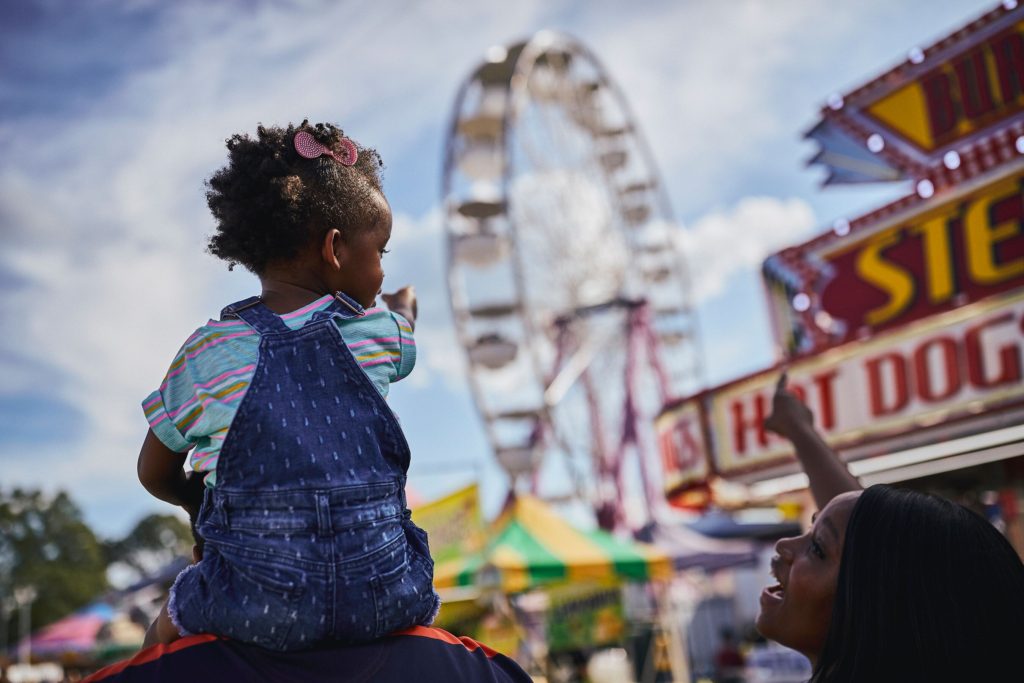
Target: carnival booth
{"x":902,"y":328}
{"x":532,"y":546}
{"x":546,"y":592}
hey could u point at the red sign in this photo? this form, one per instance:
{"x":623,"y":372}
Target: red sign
{"x":951,"y":371}
{"x":963,"y":95}
{"x":907,"y":265}
{"x":962,"y":250}
{"x":683,"y":448}
{"x":979,"y":87}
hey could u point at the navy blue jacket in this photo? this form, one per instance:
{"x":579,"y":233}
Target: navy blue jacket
{"x":423,"y":654}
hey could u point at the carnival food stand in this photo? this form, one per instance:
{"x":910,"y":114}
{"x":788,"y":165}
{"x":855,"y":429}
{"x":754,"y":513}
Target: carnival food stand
{"x":902,"y":328}
{"x":544,"y":591}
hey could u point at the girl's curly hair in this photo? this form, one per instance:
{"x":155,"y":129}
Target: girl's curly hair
{"x":269,"y":202}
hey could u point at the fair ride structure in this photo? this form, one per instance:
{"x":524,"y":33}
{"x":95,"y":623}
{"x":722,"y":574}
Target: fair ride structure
{"x":569,"y":294}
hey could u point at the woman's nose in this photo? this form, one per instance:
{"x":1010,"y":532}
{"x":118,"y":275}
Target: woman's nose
{"x":784,"y":547}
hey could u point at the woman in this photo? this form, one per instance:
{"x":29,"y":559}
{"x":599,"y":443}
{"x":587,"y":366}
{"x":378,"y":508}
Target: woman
{"x":888,"y":584}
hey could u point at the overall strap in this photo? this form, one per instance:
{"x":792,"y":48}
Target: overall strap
{"x":256,"y":315}
{"x":342,"y":306}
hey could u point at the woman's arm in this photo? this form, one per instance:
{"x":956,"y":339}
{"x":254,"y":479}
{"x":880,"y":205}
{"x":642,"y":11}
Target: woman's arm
{"x":162,"y":473}
{"x":793,"y":420}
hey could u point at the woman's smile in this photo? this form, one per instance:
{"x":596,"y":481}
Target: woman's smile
{"x":796,"y":610}
{"x":774,"y":594}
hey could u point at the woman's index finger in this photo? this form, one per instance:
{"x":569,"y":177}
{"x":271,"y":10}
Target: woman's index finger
{"x":781,"y":384}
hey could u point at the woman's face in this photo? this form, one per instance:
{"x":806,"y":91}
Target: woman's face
{"x":796,"y":611}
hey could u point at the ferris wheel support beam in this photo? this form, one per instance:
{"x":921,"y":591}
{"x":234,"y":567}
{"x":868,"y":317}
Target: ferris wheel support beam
{"x":607,"y":508}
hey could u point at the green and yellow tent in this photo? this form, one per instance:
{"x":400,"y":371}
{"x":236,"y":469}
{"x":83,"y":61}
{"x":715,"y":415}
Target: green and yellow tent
{"x":532,"y":546}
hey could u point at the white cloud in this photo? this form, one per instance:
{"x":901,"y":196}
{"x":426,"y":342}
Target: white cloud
{"x":103,"y":215}
{"x":418,"y":257}
{"x":702,"y":80}
{"x":726,"y":242}
{"x":107,"y":220}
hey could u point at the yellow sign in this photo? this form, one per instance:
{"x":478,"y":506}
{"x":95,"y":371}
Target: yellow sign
{"x":585,"y":615}
{"x":972,"y":91}
{"x":454,"y":523}
{"x":902,"y":265}
{"x":499,"y":632}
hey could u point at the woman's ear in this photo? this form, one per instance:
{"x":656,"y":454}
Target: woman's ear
{"x":333,"y":250}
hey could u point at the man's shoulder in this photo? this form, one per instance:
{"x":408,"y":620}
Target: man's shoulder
{"x":425,"y":653}
{"x":439,"y":634}
{"x":458,"y":657}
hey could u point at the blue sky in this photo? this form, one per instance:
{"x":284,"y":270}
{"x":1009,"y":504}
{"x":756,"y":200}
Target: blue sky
{"x":113,"y":112}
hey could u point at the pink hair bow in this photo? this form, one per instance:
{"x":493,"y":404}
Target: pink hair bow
{"x":308,"y":146}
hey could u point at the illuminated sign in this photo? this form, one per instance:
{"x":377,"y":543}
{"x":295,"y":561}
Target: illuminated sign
{"x":960,"y":251}
{"x":943,"y":370}
{"x":944,"y":253}
{"x":904,"y":326}
{"x":978,"y":88}
{"x":955,"y":106}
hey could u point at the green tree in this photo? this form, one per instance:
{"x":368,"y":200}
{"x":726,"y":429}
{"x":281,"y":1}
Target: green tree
{"x":154,"y":542}
{"x":45,"y":544}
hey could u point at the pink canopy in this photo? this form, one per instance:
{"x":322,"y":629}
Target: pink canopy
{"x":74,"y":633}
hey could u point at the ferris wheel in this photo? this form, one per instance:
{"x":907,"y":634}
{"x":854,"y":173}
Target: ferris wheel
{"x":569,"y":295}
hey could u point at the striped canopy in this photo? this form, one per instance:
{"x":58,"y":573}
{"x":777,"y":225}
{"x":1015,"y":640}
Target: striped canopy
{"x":530,"y":545}
{"x":74,"y":633}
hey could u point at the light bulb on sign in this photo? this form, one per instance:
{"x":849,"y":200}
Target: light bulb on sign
{"x":951,"y":160}
{"x":841,"y":227}
{"x":801,"y":302}
{"x":925,"y":189}
{"x":876,"y":143}
{"x":916,"y":55}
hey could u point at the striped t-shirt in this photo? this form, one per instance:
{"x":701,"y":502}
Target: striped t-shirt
{"x":204,"y":386}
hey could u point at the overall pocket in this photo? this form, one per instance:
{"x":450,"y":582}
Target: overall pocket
{"x":264,"y":576}
{"x":263,"y":600}
{"x":403,"y":596}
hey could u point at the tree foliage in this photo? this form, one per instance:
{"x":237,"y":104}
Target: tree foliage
{"x":154,"y":542}
{"x":46,"y":545}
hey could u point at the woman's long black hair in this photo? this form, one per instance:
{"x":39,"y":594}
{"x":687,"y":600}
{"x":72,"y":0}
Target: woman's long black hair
{"x":927,"y":591}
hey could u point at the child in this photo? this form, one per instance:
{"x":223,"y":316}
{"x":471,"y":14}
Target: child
{"x":303,"y":464}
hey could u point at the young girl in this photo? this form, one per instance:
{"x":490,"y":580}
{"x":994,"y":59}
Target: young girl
{"x":281,"y":401}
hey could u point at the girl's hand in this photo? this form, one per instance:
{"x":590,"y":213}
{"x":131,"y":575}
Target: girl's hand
{"x":192,"y":494}
{"x":789,"y":414}
{"x":402,"y":302}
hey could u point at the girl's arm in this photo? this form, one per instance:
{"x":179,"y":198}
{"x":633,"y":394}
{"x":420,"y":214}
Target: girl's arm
{"x":161,"y":473}
{"x":793,"y":420}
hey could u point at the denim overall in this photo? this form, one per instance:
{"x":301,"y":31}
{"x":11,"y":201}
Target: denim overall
{"x":307,"y":534}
